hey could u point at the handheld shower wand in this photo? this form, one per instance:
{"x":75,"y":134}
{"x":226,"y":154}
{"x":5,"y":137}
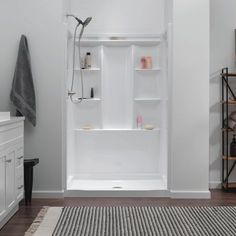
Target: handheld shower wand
{"x":84,"y":24}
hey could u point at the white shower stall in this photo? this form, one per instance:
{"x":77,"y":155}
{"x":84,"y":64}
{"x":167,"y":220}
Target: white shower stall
{"x":108,"y":153}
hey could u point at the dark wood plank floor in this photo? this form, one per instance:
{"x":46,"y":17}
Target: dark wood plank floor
{"x":26,"y":214}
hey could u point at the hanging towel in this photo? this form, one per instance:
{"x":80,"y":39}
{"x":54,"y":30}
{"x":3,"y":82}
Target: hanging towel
{"x":22,"y":93}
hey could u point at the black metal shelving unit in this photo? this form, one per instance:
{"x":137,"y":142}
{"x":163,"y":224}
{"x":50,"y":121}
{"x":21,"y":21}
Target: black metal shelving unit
{"x":228,"y":99}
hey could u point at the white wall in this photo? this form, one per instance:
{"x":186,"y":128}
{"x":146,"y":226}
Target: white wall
{"x":190,"y":98}
{"x":126,"y":17}
{"x":223,"y":23}
{"x":41,"y":22}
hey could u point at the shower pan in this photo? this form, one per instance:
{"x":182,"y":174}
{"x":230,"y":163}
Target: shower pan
{"x":117,"y":139}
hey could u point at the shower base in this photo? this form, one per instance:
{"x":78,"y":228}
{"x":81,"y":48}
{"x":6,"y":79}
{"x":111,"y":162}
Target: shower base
{"x":117,"y":188}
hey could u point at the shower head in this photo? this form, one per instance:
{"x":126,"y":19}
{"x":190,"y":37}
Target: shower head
{"x":87,"y":21}
{"x":84,"y":23}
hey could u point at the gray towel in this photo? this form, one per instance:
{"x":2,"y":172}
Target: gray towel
{"x":22,"y":93}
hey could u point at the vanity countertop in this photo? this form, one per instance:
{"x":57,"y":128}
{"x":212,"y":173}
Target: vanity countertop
{"x":12,"y":120}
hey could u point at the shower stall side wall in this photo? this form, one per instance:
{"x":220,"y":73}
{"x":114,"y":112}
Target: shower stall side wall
{"x":114,"y":155}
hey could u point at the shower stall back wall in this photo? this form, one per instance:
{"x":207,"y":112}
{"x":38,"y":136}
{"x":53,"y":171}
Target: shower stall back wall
{"x":114,"y":156}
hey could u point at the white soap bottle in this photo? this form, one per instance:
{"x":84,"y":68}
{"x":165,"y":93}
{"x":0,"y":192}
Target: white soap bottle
{"x":88,"y":61}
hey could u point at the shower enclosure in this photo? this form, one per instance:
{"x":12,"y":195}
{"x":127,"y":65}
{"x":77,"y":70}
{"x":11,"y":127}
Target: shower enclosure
{"x":117,"y":140}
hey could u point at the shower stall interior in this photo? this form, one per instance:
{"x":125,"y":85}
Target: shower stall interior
{"x":117,"y":137}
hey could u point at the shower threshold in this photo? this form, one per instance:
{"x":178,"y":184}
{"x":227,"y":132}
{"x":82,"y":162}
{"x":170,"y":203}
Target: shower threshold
{"x":117,"y":188}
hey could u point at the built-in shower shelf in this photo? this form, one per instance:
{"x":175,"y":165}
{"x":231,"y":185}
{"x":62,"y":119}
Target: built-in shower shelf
{"x":92,"y":100}
{"x":147,"y":99}
{"x":120,"y":41}
{"x":88,"y":70}
{"x":152,"y":69}
{"x":117,"y":130}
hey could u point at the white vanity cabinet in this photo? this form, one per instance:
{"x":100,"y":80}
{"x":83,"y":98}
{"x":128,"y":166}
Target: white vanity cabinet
{"x":11,"y":167}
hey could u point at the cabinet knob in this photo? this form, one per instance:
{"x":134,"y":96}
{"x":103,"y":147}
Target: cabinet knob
{"x":8,"y":161}
{"x":19,"y":158}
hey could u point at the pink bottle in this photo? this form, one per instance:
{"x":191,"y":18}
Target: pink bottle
{"x":149,"y":62}
{"x":143,"y":63}
{"x":139,"y":122}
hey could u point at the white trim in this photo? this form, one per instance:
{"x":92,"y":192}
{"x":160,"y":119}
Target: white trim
{"x":157,"y":193}
{"x":9,"y":216}
{"x":215,"y":184}
{"x":170,"y":97}
{"x":190,"y":194}
{"x":149,"y":194}
{"x":48,"y":194}
{"x":64,"y":114}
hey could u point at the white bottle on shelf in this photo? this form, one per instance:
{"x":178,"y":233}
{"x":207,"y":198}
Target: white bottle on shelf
{"x":88,"y":61}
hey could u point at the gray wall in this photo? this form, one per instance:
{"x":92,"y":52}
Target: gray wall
{"x":223,"y":23}
{"x":190,"y":98}
{"x":41,"y":22}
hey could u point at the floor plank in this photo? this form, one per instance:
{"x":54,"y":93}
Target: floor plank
{"x":26,"y":214}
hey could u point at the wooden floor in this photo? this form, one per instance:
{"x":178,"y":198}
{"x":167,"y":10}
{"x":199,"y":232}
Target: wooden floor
{"x":26,"y":214}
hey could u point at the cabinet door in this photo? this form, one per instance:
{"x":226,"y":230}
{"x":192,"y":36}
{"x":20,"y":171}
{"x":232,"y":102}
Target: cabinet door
{"x":2,"y":184}
{"x":10,"y":177}
{"x":19,"y":167}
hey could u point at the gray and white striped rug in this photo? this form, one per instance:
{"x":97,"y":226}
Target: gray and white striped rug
{"x":146,"y":221}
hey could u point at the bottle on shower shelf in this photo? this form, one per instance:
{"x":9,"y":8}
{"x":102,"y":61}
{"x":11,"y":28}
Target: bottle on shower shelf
{"x":82,"y":63}
{"x":139,"y":122}
{"x":91,"y":93}
{"x":149,"y":62}
{"x":88,"y":61}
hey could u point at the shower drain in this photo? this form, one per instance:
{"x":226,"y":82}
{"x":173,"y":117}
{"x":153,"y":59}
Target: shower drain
{"x":117,"y":187}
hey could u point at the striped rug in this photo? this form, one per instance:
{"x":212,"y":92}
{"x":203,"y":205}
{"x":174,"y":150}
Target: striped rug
{"x":146,"y":221}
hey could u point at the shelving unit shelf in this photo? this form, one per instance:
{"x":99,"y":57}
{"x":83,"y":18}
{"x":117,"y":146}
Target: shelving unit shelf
{"x":228,"y":162}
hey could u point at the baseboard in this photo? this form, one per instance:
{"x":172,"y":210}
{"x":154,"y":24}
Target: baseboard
{"x":9,"y":216}
{"x":215,"y":185}
{"x":149,"y":194}
{"x":48,"y":194}
{"x":190,"y":194}
{"x":173,"y":194}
